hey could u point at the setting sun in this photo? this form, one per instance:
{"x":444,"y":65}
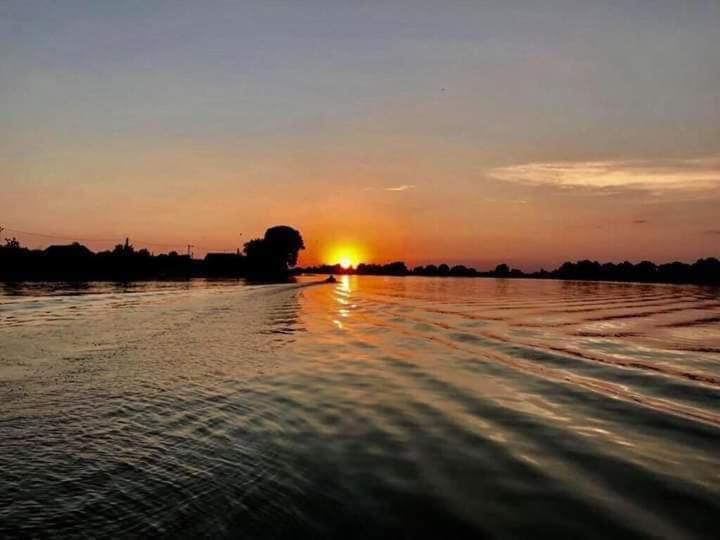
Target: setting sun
{"x":346,"y":256}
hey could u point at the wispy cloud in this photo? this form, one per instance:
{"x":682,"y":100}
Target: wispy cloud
{"x":712,"y":231}
{"x":404,"y":187}
{"x":658,"y":175}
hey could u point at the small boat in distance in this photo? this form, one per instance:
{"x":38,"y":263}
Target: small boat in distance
{"x":331,"y":279}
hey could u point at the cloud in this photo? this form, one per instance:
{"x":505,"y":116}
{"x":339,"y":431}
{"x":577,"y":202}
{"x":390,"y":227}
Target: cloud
{"x":659,"y":175}
{"x":404,"y":187}
{"x":712,"y":231}
{"x":640,"y":221}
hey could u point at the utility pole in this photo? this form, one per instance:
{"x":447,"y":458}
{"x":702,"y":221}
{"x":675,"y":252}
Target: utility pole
{"x":189,"y":247}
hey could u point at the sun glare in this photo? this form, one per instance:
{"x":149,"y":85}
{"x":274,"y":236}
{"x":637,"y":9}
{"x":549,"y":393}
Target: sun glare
{"x":344,"y":255}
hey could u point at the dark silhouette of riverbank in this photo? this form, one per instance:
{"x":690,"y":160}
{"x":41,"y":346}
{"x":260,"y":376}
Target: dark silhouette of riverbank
{"x":264,"y":259}
{"x":274,"y":257}
{"x":703,"y":271}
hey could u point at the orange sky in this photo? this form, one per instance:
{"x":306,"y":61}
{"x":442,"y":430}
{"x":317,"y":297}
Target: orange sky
{"x":467,"y":135}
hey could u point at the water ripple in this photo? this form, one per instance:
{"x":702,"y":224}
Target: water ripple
{"x":487,"y":407}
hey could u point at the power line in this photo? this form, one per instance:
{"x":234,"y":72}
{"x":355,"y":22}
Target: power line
{"x":56,"y":237}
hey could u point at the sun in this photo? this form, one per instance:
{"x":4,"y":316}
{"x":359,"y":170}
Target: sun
{"x":346,"y":255}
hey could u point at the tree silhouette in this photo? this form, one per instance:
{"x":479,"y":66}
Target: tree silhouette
{"x":285,"y":243}
{"x":276,"y":252}
{"x":273,"y":255}
{"x":124,"y":249}
{"x":12,"y":243}
{"x":255,"y":249}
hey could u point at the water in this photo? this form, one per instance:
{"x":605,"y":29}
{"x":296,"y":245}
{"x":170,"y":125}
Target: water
{"x":375,"y":407}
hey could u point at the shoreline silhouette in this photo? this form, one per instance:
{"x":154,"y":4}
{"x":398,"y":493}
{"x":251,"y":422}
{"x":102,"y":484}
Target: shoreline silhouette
{"x":274,"y":258}
{"x":704,"y":271}
{"x":269,"y":258}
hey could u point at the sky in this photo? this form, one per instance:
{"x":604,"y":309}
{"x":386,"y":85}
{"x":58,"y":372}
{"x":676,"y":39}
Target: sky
{"x":475,"y":132}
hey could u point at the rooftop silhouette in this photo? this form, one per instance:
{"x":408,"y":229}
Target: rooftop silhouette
{"x":267,"y":258}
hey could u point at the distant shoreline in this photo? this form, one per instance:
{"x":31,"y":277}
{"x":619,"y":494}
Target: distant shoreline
{"x":702,"y":272}
{"x":274,"y":258}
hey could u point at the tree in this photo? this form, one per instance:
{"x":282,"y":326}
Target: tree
{"x":460,"y":270}
{"x":396,"y":269}
{"x":124,"y":249}
{"x":284,"y":242}
{"x":255,"y":249}
{"x":12,"y":243}
{"x":276,"y":252}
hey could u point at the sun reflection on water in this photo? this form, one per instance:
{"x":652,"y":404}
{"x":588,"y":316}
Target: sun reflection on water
{"x":342,"y":294}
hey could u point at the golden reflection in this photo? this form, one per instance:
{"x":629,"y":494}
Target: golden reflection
{"x":344,"y":284}
{"x":342,"y":294}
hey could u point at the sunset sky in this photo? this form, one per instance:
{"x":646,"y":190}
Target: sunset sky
{"x":475,"y":132}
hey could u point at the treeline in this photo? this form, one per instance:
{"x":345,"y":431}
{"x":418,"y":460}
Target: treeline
{"x":77,"y":262}
{"x":275,"y":255}
{"x":706,"y":271}
{"x":269,"y":257}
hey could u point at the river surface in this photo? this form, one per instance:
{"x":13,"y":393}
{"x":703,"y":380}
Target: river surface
{"x":374,"y":407}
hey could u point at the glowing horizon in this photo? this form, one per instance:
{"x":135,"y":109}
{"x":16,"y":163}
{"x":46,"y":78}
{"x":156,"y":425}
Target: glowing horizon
{"x":475,"y":134}
{"x":347,"y":255}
